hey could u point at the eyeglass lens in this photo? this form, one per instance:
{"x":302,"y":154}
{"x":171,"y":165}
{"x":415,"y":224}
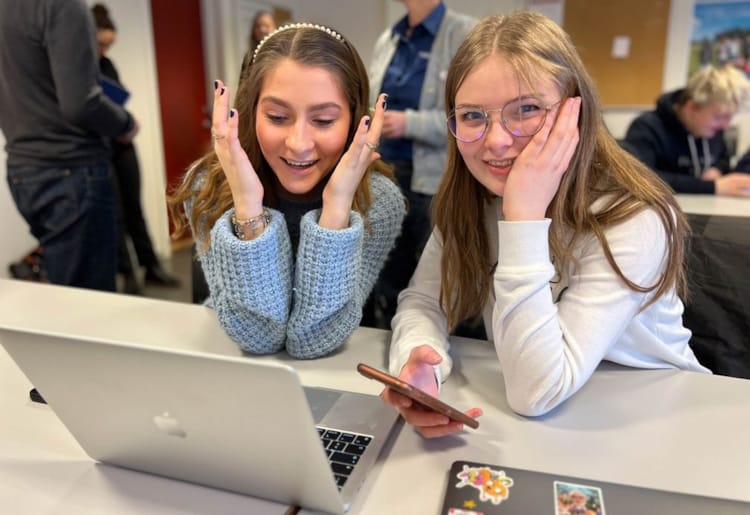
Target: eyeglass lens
{"x":522,"y":117}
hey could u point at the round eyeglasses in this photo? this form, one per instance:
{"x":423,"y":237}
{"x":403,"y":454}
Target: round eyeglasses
{"x":522,"y":117}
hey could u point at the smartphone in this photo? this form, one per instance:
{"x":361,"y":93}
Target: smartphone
{"x":417,"y":395}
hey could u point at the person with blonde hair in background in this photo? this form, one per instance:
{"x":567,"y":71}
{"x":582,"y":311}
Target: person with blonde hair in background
{"x":569,"y":247}
{"x":682,"y":139}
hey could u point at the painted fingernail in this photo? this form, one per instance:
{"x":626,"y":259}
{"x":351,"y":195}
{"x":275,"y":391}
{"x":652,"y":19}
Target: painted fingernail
{"x":385,"y":105}
{"x":231,"y":112}
{"x":367,"y":122}
{"x":222,"y":91}
{"x":216,"y":84}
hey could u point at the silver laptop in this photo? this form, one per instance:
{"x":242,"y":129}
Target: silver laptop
{"x":234,"y":423}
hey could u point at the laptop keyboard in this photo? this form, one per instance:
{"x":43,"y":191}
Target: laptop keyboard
{"x":344,"y":450}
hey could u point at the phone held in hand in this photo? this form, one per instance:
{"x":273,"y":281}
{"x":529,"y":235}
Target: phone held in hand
{"x":417,"y":395}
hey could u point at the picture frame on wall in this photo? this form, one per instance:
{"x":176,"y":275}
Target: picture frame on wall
{"x":721,"y":35}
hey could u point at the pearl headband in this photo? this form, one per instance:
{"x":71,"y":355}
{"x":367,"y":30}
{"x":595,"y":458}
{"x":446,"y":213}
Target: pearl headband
{"x":335,"y":35}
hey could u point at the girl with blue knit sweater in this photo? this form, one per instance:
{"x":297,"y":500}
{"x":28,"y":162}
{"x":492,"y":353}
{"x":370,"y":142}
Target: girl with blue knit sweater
{"x":293,"y":211}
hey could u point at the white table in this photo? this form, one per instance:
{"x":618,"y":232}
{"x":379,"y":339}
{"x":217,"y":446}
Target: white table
{"x":664,"y":429}
{"x":714,"y":205}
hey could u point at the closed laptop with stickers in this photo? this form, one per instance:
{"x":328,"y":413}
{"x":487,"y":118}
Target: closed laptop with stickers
{"x":484,"y":489}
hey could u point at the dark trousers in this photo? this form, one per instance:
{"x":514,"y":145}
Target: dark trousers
{"x":71,"y":211}
{"x":200,"y":286}
{"x":130,"y":220}
{"x":402,"y":260}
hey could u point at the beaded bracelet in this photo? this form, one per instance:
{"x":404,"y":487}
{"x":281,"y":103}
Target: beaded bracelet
{"x":256,"y":224}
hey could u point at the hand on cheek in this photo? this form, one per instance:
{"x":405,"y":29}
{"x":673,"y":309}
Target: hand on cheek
{"x":538,"y":170}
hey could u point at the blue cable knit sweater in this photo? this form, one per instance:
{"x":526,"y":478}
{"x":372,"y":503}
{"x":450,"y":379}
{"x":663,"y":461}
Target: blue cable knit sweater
{"x":267,"y":301}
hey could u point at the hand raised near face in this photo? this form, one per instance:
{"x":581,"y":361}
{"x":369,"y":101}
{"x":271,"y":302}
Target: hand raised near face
{"x":338,"y":194}
{"x":247,"y":190}
{"x":535,"y":177}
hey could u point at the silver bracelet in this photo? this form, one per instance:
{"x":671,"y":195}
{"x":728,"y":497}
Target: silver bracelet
{"x":256,"y":224}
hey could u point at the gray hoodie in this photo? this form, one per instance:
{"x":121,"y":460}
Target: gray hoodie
{"x":52,"y":109}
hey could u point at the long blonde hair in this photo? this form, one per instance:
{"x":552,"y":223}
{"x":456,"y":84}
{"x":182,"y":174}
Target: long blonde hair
{"x":538,"y":49}
{"x":205,"y":185}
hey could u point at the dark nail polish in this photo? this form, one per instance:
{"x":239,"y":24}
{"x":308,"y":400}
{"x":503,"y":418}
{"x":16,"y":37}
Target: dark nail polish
{"x":231,"y":113}
{"x":385,"y":105}
{"x":367,"y":122}
{"x":216,"y":84}
{"x":222,"y":91}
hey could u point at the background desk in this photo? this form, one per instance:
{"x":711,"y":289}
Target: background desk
{"x":663,"y":429}
{"x":718,"y":311}
{"x":714,"y":205}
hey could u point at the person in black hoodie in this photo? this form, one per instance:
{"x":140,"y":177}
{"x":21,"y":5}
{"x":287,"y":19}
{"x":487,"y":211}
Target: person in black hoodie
{"x":683,"y":138}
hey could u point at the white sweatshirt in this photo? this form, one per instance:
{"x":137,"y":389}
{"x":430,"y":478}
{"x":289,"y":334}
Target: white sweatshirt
{"x":551,"y":336}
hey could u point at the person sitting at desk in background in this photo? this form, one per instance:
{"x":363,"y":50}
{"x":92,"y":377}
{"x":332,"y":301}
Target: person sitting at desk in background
{"x":293,"y":209}
{"x":682,"y":140}
{"x":127,"y":174}
{"x":570,"y":247}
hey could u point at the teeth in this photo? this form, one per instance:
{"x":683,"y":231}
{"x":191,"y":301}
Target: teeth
{"x":301,"y":164}
{"x":500,"y":163}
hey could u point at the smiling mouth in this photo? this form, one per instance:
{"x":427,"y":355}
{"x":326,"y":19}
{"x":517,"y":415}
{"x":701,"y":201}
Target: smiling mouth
{"x":299,"y":164}
{"x":500,"y":163}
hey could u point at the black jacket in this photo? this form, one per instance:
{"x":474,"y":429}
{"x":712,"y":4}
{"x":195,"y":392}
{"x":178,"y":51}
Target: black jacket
{"x":661,"y":141}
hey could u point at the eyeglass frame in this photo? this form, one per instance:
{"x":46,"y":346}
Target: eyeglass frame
{"x":488,"y":120}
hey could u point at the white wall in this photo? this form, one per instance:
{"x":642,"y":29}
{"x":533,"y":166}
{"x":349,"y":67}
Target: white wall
{"x":16,"y":239}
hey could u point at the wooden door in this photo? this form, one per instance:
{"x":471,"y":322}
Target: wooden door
{"x":178,"y":43}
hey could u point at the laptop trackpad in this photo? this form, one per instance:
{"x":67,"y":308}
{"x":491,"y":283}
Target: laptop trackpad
{"x":321,"y":401}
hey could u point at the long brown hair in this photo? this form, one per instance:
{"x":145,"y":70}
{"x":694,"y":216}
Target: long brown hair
{"x":538,"y":50}
{"x":205,"y":186}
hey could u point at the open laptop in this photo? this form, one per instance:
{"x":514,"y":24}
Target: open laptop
{"x":475,"y":488}
{"x":234,"y":423}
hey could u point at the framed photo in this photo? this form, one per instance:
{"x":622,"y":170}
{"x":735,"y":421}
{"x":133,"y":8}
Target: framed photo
{"x":574,"y":499}
{"x":721,"y":35}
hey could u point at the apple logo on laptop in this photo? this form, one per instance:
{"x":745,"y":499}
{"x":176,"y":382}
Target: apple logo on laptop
{"x":169,"y":425}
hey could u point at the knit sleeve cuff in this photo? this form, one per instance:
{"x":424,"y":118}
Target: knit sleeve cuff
{"x":327,"y":263}
{"x":254,"y":272}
